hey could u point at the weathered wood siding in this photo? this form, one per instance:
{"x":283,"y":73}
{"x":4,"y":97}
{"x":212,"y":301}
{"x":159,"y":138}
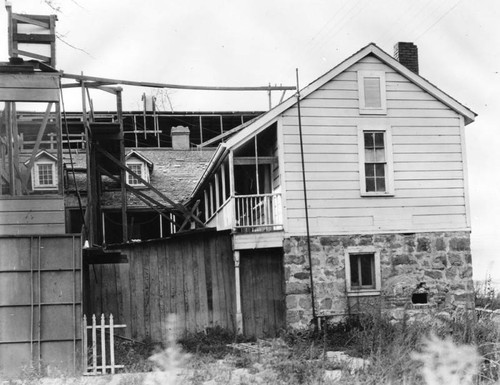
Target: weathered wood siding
{"x":427,"y":151}
{"x":191,"y":276}
{"x":29,"y":87}
{"x":40,"y":304}
{"x":262,"y":292}
{"x":32,"y":215}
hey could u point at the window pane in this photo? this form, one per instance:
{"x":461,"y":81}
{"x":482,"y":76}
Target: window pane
{"x":379,"y":155}
{"x":379,"y":169}
{"x":369,"y":141}
{"x":379,"y":139}
{"x":372,"y":92}
{"x":137,"y":168}
{"x":45,"y":177}
{"x":370,"y":170}
{"x":370,"y":184}
{"x":353,"y":262}
{"x":366,"y":269}
{"x":369,"y":155}
{"x":380,"y":182}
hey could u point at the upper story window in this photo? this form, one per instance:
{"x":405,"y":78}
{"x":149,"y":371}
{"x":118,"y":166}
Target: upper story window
{"x":140,"y":169}
{"x":139,"y":165}
{"x":372,"y":95}
{"x":44,"y":172}
{"x":375,"y":161}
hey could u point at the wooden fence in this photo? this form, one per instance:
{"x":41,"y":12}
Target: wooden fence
{"x":40,"y":304}
{"x":190,"y":275}
{"x":98,"y":362}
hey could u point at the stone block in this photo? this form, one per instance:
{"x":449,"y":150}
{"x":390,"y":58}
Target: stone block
{"x":333,"y":261}
{"x":455,"y":259}
{"x":305,"y":303}
{"x":302,"y":275}
{"x":294,"y":259}
{"x":460,"y":244}
{"x":292,"y":301}
{"x":297,"y":288}
{"x":440,"y":244}
{"x":329,"y":241}
{"x":423,"y":244}
{"x":326,"y":304}
{"x":434,"y":274}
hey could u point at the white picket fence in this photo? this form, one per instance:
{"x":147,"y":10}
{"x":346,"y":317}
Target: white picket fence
{"x":97,"y":363}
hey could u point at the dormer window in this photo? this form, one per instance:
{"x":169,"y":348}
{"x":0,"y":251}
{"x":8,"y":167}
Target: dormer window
{"x":140,"y":165}
{"x":372,"y":95}
{"x":44,"y":172}
{"x":140,"y":169}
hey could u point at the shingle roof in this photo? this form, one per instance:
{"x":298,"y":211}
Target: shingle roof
{"x":175,"y":174}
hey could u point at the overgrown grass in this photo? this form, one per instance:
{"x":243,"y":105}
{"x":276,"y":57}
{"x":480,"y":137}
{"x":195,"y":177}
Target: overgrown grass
{"x":455,"y":349}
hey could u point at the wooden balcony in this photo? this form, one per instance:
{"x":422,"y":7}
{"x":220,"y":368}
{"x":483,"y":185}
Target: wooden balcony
{"x":249,"y":214}
{"x":257,"y":213}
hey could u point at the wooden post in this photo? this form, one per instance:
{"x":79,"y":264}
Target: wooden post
{"x":217,"y":192}
{"x":103,"y":343}
{"x":237,"y":284}
{"x":223,"y":177}
{"x":84,"y":345}
{"x":122,"y":161}
{"x":111,"y":344}
{"x":94,"y":345}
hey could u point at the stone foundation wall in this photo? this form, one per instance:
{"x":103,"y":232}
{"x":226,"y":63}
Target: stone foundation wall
{"x":441,"y":260}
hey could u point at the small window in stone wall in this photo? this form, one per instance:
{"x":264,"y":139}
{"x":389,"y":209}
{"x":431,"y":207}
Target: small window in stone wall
{"x":362,"y":271}
{"x":362,"y":266}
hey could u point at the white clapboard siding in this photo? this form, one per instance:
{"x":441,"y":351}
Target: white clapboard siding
{"x":427,"y":160}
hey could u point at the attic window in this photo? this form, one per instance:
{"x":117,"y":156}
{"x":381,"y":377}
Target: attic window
{"x":44,"y":175}
{"x":140,"y":169}
{"x":372,"y":95}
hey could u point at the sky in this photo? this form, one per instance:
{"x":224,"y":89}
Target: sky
{"x":261,"y":42}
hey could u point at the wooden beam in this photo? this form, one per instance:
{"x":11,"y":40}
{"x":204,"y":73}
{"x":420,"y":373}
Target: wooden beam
{"x":143,"y":197}
{"x":177,"y":206}
{"x":28,"y":20}
{"x":250,"y":160}
{"x":176,"y":86}
{"x":34,"y":38}
{"x":31,"y":54}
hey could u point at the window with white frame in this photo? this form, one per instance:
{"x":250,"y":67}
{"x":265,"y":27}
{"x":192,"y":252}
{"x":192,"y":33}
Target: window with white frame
{"x":44,"y":175}
{"x":362,"y":266}
{"x":375,"y":161}
{"x":372,"y":93}
{"x":140,"y":169}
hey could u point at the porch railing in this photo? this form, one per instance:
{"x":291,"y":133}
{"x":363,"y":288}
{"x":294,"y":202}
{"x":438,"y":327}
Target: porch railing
{"x":260,"y":212}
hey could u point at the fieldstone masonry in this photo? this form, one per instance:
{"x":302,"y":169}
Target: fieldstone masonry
{"x":441,"y":260}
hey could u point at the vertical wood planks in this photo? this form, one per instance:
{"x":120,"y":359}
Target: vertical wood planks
{"x":189,"y":275}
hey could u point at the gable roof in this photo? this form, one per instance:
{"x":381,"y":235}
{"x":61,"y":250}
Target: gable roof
{"x":371,"y":49}
{"x":139,"y":156}
{"x":41,"y":154}
{"x":176,"y":174}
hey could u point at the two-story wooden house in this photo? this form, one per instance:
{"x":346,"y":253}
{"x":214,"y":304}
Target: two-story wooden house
{"x":351,"y":196}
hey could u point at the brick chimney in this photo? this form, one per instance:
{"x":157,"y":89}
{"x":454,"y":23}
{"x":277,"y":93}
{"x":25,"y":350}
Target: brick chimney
{"x":180,"y":138}
{"x":407,"y":55}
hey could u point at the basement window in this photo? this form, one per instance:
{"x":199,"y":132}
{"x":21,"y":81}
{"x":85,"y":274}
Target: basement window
{"x":362,"y":267}
{"x":372,"y":94}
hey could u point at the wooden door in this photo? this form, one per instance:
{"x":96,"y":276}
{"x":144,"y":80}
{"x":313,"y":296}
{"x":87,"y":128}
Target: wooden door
{"x":262,"y":292}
